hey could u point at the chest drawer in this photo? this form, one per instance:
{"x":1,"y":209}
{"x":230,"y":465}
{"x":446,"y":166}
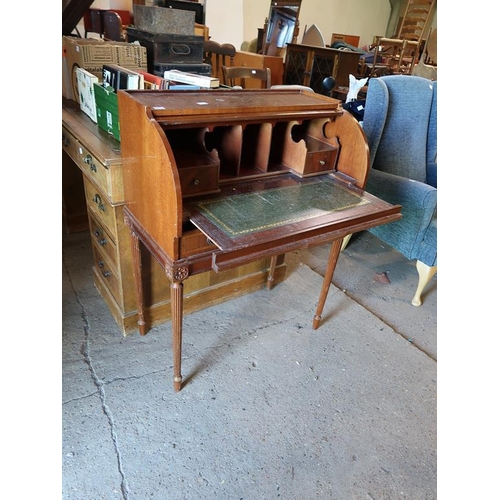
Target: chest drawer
{"x":106,"y":271}
{"x":94,"y":169}
{"x":99,"y":206}
{"x":70,"y":144}
{"x":103,"y":240}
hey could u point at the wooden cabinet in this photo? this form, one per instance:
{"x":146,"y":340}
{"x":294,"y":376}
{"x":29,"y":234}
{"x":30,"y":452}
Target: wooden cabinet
{"x":253,"y":60}
{"x":309,"y":65}
{"x":99,"y":195}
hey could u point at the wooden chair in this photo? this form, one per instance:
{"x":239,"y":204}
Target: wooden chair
{"x":218,"y":55}
{"x":92,"y":22}
{"x":113,"y":28}
{"x":404,"y":46}
{"x":387,"y":57}
{"x":241,"y":75}
{"x":415,"y":20}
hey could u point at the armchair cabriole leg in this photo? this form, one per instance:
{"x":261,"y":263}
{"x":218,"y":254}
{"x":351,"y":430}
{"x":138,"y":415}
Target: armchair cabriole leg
{"x":345,"y":242}
{"x":425,"y":274}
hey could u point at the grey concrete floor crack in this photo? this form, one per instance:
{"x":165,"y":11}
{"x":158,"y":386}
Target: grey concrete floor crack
{"x":100,"y":385}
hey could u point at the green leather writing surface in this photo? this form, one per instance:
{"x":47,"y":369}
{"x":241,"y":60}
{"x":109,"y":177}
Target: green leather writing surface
{"x":246,"y":213}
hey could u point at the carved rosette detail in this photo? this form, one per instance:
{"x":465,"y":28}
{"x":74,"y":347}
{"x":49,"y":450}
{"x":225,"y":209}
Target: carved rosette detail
{"x":177,"y":274}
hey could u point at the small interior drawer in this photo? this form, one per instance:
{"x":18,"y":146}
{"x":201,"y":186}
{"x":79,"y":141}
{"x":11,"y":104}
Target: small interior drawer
{"x":194,"y":242}
{"x":320,"y":157}
{"x":320,"y":161}
{"x":199,"y":180}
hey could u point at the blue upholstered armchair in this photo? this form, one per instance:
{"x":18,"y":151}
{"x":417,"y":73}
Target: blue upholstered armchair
{"x":400,"y":123}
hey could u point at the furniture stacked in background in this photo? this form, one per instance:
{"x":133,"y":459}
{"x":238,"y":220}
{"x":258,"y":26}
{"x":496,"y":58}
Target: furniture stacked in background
{"x":352,"y":40}
{"x":253,"y":60}
{"x":399,"y":54}
{"x":109,"y":24}
{"x":427,"y":64}
{"x":168,"y":35}
{"x":309,"y":65}
{"x":218,"y":55}
{"x":241,"y":76}
{"x":400,"y":123}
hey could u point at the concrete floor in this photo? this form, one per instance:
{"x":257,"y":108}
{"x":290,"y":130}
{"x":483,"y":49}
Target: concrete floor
{"x":270,"y":407}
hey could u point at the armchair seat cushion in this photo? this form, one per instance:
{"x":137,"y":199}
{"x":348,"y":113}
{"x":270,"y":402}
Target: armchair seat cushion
{"x":428,"y":248}
{"x":417,"y":229}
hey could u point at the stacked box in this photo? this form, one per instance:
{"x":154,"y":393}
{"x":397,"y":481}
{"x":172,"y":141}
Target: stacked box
{"x":200,"y":69}
{"x":162,"y":20}
{"x":106,"y":102}
{"x":168,"y":48}
{"x":169,"y":39}
{"x":91,"y":54}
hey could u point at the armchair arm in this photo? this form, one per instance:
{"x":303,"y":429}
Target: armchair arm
{"x":419,"y":206}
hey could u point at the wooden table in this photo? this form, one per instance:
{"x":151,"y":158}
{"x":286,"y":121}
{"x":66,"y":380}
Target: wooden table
{"x":217,"y":179}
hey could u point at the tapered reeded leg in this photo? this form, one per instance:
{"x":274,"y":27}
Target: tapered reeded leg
{"x":137,"y":270}
{"x":176,"y":299}
{"x":330,"y":268}
{"x":272,"y":269}
{"x":177,"y":276}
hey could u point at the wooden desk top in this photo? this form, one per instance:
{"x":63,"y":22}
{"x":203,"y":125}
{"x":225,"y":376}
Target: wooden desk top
{"x":90,"y":134}
{"x":243,"y":106}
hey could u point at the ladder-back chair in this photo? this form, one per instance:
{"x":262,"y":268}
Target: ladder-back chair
{"x":240,"y":75}
{"x":218,"y":55}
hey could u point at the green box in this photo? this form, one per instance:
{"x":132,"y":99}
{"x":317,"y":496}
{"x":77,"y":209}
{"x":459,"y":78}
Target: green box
{"x":106,"y":102}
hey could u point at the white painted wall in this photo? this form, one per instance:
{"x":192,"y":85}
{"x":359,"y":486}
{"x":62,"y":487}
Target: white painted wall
{"x":234,"y":21}
{"x":225,"y":21}
{"x":113,"y":4}
{"x":365,"y":18}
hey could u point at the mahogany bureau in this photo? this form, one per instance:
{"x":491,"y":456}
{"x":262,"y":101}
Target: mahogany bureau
{"x":216,"y":179}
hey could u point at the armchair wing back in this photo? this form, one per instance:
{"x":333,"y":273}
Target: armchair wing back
{"x":400,"y":123}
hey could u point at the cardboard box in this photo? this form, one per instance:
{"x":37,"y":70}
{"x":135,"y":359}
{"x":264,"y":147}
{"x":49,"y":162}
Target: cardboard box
{"x":106,"y":102}
{"x":92,"y":53}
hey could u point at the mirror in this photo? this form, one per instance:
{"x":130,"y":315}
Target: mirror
{"x":281,"y":26}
